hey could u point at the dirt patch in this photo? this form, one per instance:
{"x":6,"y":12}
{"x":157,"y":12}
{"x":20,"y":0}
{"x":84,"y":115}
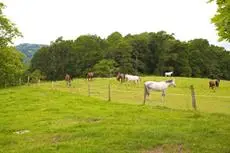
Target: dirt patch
{"x":168,"y":148}
{"x":155,"y":150}
{"x":22,"y":132}
{"x":93,"y":120}
{"x":74,"y":121}
{"x":56,"y":139}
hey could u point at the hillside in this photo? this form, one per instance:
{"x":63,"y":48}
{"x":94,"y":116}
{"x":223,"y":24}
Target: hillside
{"x":178,"y":97}
{"x":28,"y":49}
{"x":56,"y":121}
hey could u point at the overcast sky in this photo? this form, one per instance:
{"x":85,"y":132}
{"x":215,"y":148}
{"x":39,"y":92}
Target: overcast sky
{"x":42,"y":21}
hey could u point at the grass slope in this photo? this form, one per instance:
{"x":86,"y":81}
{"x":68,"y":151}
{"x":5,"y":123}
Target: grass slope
{"x":66,"y":122}
{"x":176,"y":98}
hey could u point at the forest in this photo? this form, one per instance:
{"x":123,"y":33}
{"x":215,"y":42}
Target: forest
{"x":150,"y":53}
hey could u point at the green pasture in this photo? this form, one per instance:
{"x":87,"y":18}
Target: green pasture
{"x":65,"y":120}
{"x":208,"y":100}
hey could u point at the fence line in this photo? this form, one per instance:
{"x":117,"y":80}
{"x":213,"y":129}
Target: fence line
{"x":57,"y":84}
{"x":197,"y":95}
{"x":111,"y":91}
{"x":91,"y":90}
{"x":175,"y":94}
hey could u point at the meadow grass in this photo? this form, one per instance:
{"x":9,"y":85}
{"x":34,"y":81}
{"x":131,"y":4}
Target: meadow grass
{"x":208,"y":100}
{"x":63,"y":120}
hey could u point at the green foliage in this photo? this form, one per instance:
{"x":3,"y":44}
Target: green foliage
{"x":120,"y":51}
{"x":145,"y":53}
{"x":11,"y":66}
{"x":105,"y":68}
{"x":222,"y":19}
{"x":36,"y":76}
{"x":140,"y":52}
{"x":88,"y":50}
{"x":114,"y":38}
{"x":8,"y":31}
{"x":54,"y":61}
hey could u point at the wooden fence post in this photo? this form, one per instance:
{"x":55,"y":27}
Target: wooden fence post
{"x":88,"y":88}
{"x":109,"y":86}
{"x":193,"y":97}
{"x":109,"y":92}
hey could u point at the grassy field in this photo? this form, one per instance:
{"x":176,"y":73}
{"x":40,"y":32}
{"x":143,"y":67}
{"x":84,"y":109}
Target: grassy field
{"x":66,"y":120}
{"x":177,"y":98}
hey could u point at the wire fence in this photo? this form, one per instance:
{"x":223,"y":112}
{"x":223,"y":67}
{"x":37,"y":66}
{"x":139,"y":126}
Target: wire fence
{"x":185,"y":98}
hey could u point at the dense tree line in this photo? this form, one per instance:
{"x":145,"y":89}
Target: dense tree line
{"x":145,"y":53}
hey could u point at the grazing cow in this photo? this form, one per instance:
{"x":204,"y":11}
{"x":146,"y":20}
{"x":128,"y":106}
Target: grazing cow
{"x":90,"y":76}
{"x":214,"y":83}
{"x":68,"y":80}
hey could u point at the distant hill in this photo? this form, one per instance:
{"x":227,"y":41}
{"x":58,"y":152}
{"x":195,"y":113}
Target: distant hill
{"x":29,"y":49}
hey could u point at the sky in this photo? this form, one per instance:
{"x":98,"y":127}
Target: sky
{"x":43,"y":21}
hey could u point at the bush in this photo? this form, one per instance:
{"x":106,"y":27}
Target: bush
{"x":105,"y":68}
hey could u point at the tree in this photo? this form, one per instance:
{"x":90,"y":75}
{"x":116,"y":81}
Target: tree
{"x":140,"y":52}
{"x":222,"y":19}
{"x":40,"y":60}
{"x":146,"y":53}
{"x":11,"y":66}
{"x":160,"y":45}
{"x":114,"y":38}
{"x":36,"y":76}
{"x":8,"y":30}
{"x":105,"y":68}
{"x":89,"y":50}
{"x":54,"y":60}
{"x":120,"y":50}
{"x":225,"y":66}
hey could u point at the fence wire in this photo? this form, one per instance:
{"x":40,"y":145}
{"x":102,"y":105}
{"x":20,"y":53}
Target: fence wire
{"x":176,"y":98}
